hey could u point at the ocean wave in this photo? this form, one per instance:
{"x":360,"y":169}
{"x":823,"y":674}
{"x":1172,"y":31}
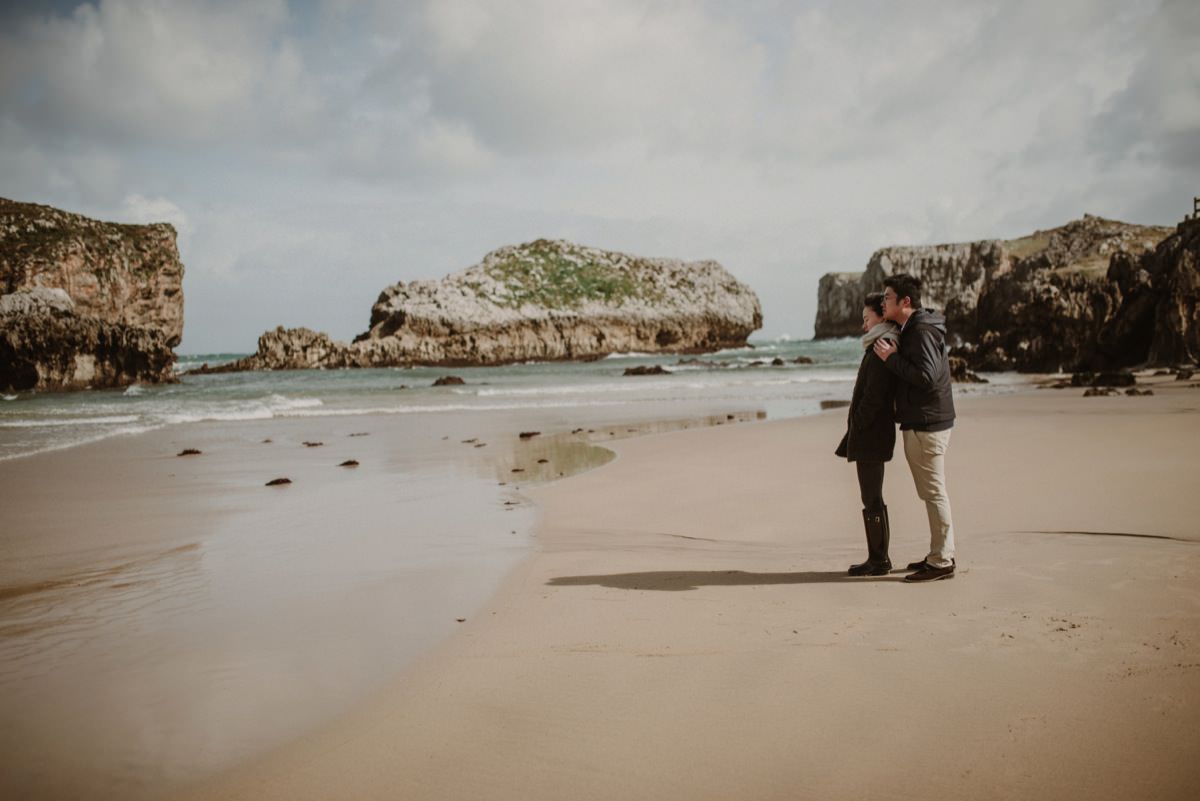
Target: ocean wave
{"x":9,"y":397}
{"x":59,"y":422}
{"x":212,"y":415}
{"x":61,"y":445}
{"x":264,"y":409}
{"x":714,"y":380}
{"x":567,"y":389}
{"x":451,"y":407}
{"x":133,"y":390}
{"x":633,"y":354}
{"x":284,"y":402}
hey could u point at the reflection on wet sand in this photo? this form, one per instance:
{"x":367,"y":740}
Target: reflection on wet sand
{"x":279,"y":610}
{"x":44,"y":621}
{"x":548,"y":457}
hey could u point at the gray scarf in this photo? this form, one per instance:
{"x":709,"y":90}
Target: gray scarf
{"x":885,"y":330}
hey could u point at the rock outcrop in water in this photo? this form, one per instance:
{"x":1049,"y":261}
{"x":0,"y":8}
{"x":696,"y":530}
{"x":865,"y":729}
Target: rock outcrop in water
{"x":85,"y":303}
{"x":1040,"y":303}
{"x":541,"y":301}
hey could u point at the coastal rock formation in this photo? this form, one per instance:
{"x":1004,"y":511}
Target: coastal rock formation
{"x":47,"y":346}
{"x":542,"y":301}
{"x":954,"y":275}
{"x":85,"y":303}
{"x":1038,"y":303}
{"x":1158,"y":321}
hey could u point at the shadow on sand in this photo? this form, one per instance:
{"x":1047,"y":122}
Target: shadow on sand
{"x":675,"y":581}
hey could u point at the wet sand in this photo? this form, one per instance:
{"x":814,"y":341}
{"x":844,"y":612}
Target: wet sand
{"x":684,"y":629}
{"x":164,"y":617}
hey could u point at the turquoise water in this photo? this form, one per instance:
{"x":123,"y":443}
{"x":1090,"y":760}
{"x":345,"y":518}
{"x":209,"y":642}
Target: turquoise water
{"x":32,"y":423}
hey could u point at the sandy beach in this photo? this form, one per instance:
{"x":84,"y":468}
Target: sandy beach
{"x":678,"y":624}
{"x":684,"y":629}
{"x":441,"y":401}
{"x":165,"y":618}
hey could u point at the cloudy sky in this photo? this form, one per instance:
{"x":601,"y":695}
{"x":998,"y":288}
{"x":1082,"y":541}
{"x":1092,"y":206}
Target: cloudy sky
{"x":311,"y":153}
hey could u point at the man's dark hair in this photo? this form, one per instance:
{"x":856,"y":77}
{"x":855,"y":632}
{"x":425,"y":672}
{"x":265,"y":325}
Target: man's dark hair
{"x":905,"y":286}
{"x":874,"y":302}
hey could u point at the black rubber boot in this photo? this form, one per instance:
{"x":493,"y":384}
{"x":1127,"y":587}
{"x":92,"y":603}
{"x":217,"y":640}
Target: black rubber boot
{"x":885,"y":539}
{"x":878,"y":537}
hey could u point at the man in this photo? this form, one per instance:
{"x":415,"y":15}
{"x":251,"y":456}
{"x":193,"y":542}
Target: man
{"x":925,"y":411}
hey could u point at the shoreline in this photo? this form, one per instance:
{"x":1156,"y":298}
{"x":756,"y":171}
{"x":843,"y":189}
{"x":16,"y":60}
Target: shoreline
{"x":689,"y":643}
{"x":143,"y":592}
{"x":707,"y":547}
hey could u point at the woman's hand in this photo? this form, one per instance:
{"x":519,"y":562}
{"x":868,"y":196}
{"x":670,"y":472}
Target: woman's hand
{"x":884,"y":349}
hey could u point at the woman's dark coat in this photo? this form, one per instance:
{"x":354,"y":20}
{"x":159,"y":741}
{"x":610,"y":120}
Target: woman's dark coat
{"x":871,"y":435}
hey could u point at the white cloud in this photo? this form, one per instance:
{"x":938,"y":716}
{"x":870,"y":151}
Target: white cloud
{"x":136,"y":208}
{"x":1157,"y":114}
{"x":545,"y":77}
{"x":163,"y":69}
{"x":379,"y":141}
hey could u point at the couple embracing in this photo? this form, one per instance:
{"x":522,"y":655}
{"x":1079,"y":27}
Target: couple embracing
{"x":904,"y":378}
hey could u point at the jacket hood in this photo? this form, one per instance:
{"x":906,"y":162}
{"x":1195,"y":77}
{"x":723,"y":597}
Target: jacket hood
{"x":929,"y":317}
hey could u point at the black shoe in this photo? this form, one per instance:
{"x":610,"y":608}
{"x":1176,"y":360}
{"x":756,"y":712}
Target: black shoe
{"x":922,"y":565}
{"x":931,"y":573}
{"x":869,"y":568}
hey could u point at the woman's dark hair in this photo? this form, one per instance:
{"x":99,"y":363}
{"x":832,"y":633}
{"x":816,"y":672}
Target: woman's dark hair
{"x":905,"y":286}
{"x":874,"y":302}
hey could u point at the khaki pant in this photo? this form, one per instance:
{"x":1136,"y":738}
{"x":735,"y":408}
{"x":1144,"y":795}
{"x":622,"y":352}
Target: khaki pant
{"x":926,"y":455}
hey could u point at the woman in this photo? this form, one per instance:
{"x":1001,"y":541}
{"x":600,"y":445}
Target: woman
{"x":871,"y":435}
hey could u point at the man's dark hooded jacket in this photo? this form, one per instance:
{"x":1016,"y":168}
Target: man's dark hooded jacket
{"x":923,"y":398}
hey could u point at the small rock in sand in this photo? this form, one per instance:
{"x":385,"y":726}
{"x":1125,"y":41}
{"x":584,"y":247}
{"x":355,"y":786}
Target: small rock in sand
{"x":349,"y":463}
{"x":543,"y":461}
{"x":312,"y":444}
{"x":188,"y":452}
{"x":518,"y":469}
{"x":275,"y":482}
{"x":528,"y":434}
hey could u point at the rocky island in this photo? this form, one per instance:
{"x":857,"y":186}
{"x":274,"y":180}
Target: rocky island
{"x":85,"y":303}
{"x":546,"y":300}
{"x":1091,"y":294}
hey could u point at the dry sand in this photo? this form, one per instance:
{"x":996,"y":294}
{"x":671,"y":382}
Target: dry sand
{"x":685,"y":630}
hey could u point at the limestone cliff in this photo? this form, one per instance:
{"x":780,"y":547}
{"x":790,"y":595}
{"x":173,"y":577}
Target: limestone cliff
{"x":544,"y":300}
{"x":85,"y":303}
{"x":1158,"y":320}
{"x":1037,"y":303}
